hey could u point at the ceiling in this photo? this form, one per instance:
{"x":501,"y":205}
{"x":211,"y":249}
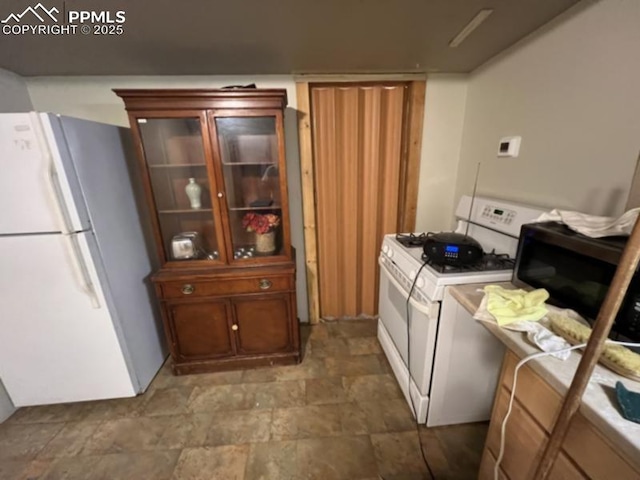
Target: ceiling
{"x":192,"y":37}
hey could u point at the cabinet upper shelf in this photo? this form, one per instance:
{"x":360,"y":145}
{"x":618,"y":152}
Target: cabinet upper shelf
{"x":179,"y":165}
{"x":186,"y":210}
{"x":270,"y":207}
{"x":235,"y":164}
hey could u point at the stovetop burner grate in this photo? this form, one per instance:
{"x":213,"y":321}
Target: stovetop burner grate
{"x":412,"y":239}
{"x":488,"y":263}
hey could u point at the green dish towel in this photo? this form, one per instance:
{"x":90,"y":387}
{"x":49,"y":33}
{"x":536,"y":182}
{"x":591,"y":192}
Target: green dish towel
{"x":509,"y":306}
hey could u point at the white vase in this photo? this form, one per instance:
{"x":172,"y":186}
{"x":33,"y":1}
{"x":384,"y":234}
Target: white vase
{"x":193,"y":191}
{"x":266,"y":243}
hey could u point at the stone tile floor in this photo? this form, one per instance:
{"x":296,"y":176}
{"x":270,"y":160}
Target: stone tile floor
{"x":339,"y":415}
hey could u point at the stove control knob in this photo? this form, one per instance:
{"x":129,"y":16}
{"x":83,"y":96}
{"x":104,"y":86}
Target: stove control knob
{"x":420,"y":282}
{"x":412,"y":274}
{"x":390,"y":253}
{"x":385,"y":248}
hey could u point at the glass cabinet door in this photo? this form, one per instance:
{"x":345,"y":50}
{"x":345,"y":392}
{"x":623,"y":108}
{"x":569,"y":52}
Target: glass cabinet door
{"x":249,"y":157}
{"x":180,"y":182}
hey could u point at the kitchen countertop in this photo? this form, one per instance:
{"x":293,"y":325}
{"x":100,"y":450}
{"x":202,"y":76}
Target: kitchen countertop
{"x":599,"y":404}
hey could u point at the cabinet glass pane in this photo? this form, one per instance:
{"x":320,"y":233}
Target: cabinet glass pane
{"x":174,"y":152}
{"x":249,"y":156}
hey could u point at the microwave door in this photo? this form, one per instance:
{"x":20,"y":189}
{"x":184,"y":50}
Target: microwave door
{"x":539,"y":270}
{"x":570,"y":281}
{"x":577,"y":272}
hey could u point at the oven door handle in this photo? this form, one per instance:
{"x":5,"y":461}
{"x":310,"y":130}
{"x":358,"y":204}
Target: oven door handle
{"x":426,"y":308}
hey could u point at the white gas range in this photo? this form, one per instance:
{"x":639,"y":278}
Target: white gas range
{"x":454,"y":361}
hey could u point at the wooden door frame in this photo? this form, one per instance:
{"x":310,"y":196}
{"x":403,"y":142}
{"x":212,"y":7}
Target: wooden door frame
{"x":409,"y":168}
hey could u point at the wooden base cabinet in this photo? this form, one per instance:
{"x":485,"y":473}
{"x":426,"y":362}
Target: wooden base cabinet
{"x":586,"y":452}
{"x":262,"y":324}
{"x":230,"y":319}
{"x":214,"y":173}
{"x":200,"y":330}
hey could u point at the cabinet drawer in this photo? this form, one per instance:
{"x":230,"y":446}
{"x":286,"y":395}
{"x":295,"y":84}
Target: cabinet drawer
{"x":524,"y":442}
{"x":208,"y":288}
{"x":593,"y":453}
{"x":537,"y":397}
{"x":524,"y":438}
{"x":487,"y":467}
{"x":584,"y":443}
{"x":561,"y":470}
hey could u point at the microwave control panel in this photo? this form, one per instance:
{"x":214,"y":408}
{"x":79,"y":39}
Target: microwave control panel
{"x":500,"y":215}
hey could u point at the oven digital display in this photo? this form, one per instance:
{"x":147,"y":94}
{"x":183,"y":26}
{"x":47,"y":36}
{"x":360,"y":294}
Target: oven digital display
{"x":451,"y":248}
{"x":498,"y":212}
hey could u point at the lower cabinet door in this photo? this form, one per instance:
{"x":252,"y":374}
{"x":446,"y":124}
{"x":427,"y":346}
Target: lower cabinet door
{"x":201,"y":329}
{"x":263,"y":324}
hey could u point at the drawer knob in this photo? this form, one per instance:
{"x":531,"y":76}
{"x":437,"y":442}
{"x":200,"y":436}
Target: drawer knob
{"x":265,"y":284}
{"x":188,"y":289}
{"x":234,"y":327}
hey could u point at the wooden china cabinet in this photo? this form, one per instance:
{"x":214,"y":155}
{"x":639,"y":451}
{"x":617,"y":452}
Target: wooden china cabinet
{"x":214,"y":173}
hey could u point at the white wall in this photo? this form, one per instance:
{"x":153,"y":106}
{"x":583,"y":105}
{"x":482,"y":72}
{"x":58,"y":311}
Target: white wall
{"x":14,"y":97}
{"x":91,"y":98}
{"x":572,"y":92}
{"x":441,"y":140}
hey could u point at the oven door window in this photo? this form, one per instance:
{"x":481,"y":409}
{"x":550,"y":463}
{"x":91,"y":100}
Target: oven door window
{"x":424,"y":322}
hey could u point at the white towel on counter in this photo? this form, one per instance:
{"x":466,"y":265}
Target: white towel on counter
{"x":538,"y":332}
{"x":592,"y":225}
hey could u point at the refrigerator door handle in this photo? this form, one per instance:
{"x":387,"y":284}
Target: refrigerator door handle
{"x":51,"y":180}
{"x":80,"y":270}
{"x":52,"y":183}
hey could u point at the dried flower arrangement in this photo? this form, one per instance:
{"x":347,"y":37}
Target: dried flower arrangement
{"x":259,"y":223}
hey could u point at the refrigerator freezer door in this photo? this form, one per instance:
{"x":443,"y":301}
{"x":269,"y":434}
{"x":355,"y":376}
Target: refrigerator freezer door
{"x":56,"y":346}
{"x":26,"y":197}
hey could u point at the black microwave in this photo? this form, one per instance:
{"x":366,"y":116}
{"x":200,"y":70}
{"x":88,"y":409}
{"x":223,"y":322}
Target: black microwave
{"x":576,"y":271}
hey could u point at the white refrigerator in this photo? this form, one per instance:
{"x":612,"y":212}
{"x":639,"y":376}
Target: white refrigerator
{"x":77,"y":315}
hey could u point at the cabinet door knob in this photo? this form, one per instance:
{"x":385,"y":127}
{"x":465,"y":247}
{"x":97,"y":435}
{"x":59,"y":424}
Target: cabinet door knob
{"x":188,"y":289}
{"x":265,"y":284}
{"x":234,"y":327}
{"x":220,"y":194}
